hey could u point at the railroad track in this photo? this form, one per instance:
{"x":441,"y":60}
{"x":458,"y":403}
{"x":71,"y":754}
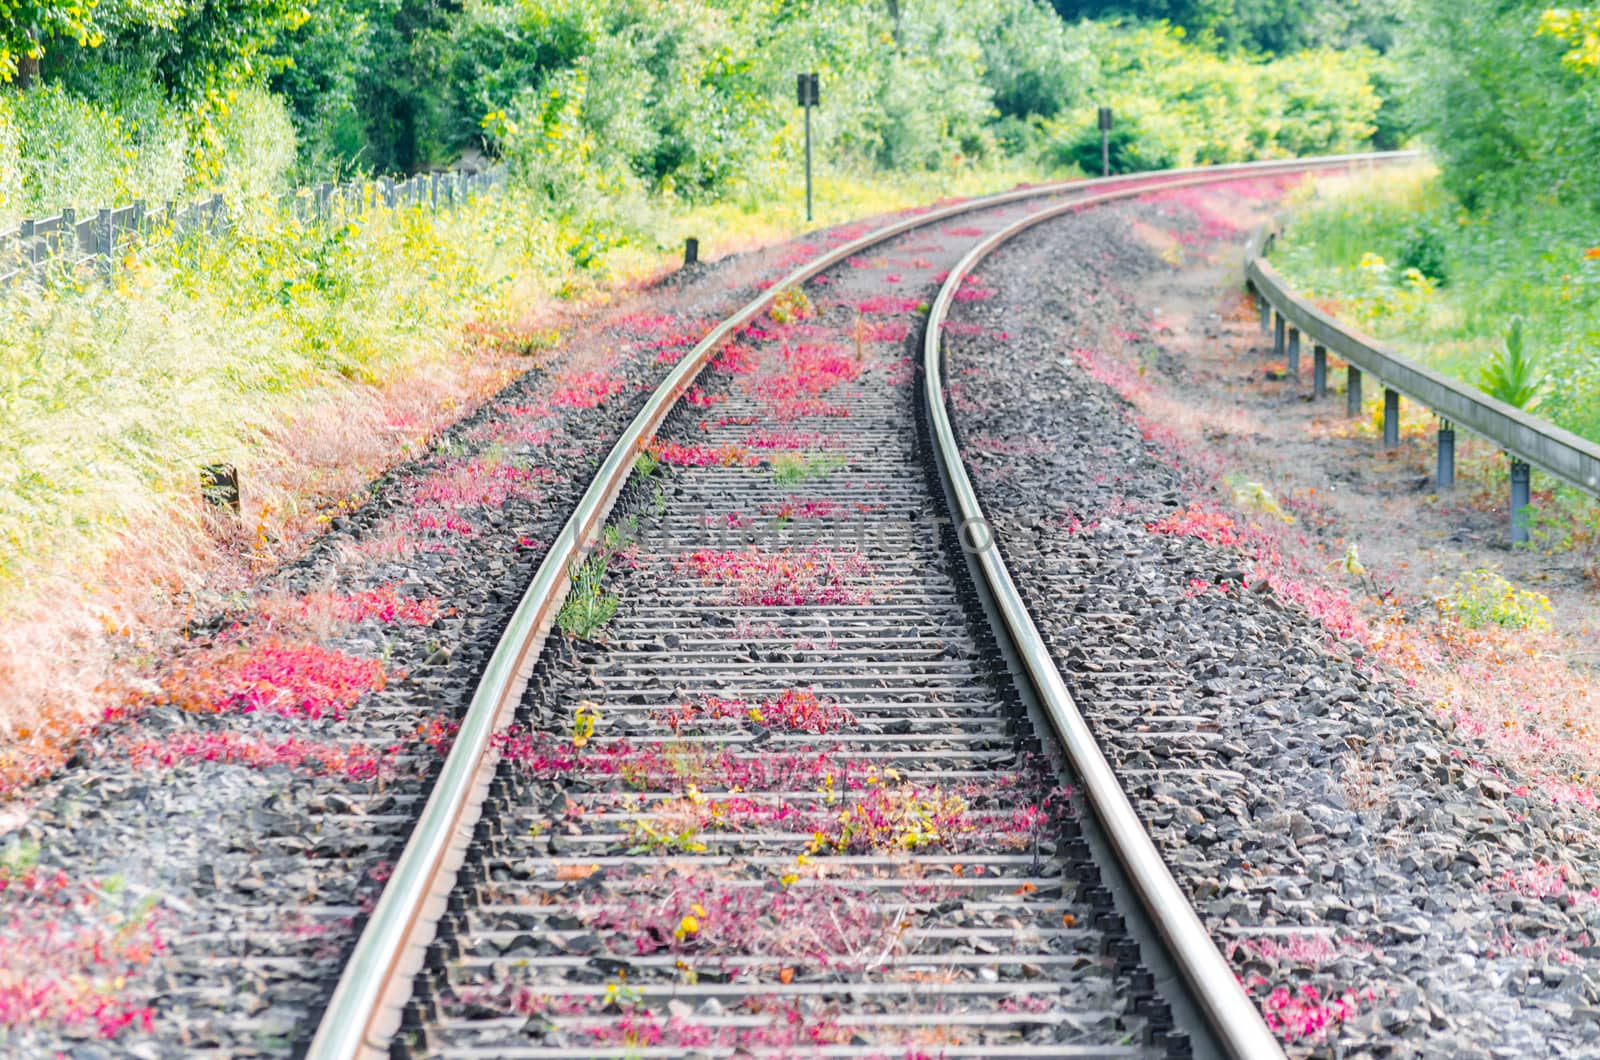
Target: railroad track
{"x":818,"y":789}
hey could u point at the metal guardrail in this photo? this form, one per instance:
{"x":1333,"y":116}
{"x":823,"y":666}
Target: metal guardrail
{"x":72,"y":238}
{"x":1527,"y":439}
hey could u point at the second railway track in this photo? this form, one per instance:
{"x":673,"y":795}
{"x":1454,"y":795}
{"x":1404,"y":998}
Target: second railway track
{"x":795,"y":800}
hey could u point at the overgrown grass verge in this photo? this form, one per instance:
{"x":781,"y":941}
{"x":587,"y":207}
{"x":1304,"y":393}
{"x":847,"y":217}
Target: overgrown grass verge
{"x":1396,"y":255}
{"x":312,"y":360}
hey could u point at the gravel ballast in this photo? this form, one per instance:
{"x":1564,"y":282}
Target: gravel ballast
{"x":1381,"y":887}
{"x":192,"y":878}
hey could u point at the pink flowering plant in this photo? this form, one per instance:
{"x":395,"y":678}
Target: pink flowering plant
{"x":797,"y":578}
{"x":74,"y":952}
{"x":350,"y":760}
{"x":290,"y":678}
{"x":795,"y":710}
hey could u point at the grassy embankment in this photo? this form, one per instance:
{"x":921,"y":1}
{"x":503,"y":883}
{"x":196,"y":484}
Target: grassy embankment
{"x":1397,"y":256}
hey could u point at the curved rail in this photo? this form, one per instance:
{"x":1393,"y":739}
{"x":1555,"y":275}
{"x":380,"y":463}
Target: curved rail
{"x":363,"y":1012}
{"x":1231,"y":1014}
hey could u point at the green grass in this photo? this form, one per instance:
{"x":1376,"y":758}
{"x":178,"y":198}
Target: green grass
{"x":588,"y":606}
{"x":1394,"y":254}
{"x":113,"y":395}
{"x":789,"y":469}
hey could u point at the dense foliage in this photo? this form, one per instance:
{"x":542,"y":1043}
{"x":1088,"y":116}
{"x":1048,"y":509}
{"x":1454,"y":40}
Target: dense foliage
{"x":1178,"y":103}
{"x":1268,"y":25}
{"x":592,"y":99}
{"x":1504,"y":93}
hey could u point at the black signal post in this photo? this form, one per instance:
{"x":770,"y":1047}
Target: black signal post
{"x":1105,"y":141}
{"x":809,"y":91}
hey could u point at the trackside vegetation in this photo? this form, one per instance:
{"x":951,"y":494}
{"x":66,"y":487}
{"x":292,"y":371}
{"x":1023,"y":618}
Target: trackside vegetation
{"x":1495,"y":247}
{"x":311,"y":356}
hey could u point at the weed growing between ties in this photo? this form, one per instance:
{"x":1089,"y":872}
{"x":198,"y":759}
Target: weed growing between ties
{"x":796,"y":710}
{"x":588,"y":606}
{"x":794,"y":578}
{"x":789,"y":469}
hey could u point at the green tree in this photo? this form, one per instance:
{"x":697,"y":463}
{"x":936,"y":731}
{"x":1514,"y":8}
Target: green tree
{"x":1507,"y":117}
{"x":194,"y":50}
{"x":1275,"y":26}
{"x":27,"y":26}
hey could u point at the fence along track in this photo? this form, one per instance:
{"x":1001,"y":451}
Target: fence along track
{"x":66,"y":242}
{"x":365,"y":1009}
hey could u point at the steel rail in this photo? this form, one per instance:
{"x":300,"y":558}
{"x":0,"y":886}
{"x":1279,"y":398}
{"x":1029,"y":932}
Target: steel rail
{"x":1232,"y":1016}
{"x":363,"y":1012}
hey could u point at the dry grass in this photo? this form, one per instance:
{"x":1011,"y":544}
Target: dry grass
{"x":77,"y":650}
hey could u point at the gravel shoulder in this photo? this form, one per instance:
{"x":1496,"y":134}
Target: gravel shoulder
{"x":1321,"y":756}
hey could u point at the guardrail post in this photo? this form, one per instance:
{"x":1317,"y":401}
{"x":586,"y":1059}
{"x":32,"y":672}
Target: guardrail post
{"x":1264,"y":307}
{"x":1521,"y":495}
{"x":1445,"y":478}
{"x":68,"y":239}
{"x":1294,"y":354}
{"x":1319,"y":371}
{"x":1391,"y":418}
{"x":1278,"y":327}
{"x":1352,"y":391}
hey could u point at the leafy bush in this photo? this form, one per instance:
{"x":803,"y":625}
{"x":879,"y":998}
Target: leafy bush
{"x":1032,"y":64}
{"x":1483,"y":598}
{"x":1424,"y":246}
{"x":1185,"y":104}
{"x":1126,"y":148}
{"x":1494,"y":99}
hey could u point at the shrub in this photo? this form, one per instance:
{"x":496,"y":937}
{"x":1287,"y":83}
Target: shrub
{"x":1491,"y":94}
{"x":1513,"y":375}
{"x":1483,"y":598}
{"x":1184,"y":104}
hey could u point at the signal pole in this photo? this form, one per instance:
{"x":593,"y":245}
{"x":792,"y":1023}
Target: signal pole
{"x":1105,"y":141}
{"x":809,"y":91}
